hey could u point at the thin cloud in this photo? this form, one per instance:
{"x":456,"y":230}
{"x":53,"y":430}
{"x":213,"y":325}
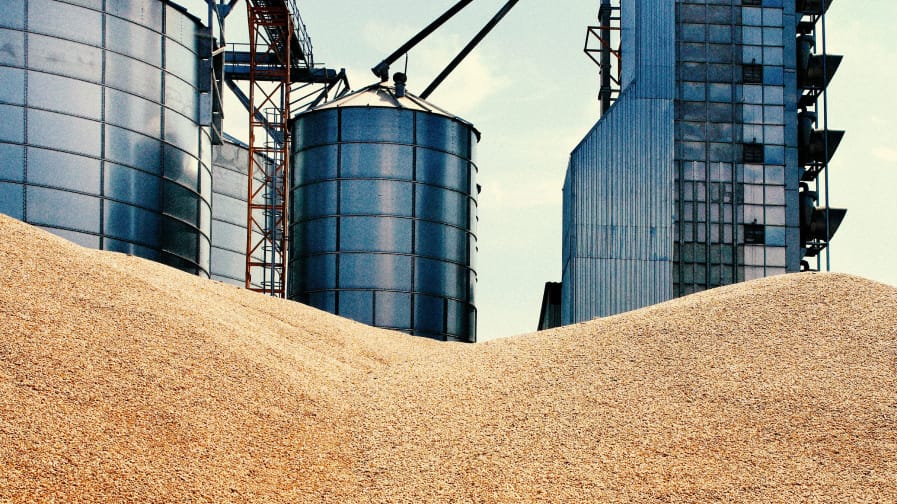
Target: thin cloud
{"x":885,"y":154}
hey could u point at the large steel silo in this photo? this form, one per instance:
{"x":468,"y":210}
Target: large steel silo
{"x":383,"y":213}
{"x":230,"y":166}
{"x":101,"y":138}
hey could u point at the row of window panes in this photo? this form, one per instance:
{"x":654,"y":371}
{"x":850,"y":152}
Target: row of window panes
{"x":701,"y":253}
{"x":763,"y":214}
{"x":719,"y":192}
{"x":759,"y":255}
{"x":761,"y":114}
{"x":753,"y":272}
{"x":696,"y":137}
{"x":698,"y":253}
{"x":698,"y":233}
{"x":714,"y":152}
{"x":697,"y":170}
{"x":697,"y":230}
{"x":771,"y":56}
{"x":696,"y":274}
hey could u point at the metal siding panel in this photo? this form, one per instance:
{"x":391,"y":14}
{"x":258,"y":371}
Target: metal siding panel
{"x":618,"y":221}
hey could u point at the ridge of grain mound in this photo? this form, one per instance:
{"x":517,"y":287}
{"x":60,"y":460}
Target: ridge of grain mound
{"x":125,"y":380}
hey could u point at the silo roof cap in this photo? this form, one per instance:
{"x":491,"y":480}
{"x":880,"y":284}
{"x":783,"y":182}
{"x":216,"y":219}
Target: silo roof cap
{"x":383,"y":96}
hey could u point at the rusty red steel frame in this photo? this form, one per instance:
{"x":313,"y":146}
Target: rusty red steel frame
{"x":270,"y":32}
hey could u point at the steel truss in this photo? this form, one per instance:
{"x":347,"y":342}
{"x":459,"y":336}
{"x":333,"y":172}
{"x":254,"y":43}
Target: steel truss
{"x":271,"y":33}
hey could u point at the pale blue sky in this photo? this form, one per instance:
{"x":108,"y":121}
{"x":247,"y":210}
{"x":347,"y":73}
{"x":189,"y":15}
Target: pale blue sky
{"x":532,"y":93}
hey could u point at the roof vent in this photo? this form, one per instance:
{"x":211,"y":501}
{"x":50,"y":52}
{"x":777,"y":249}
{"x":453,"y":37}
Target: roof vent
{"x":400,"y":79}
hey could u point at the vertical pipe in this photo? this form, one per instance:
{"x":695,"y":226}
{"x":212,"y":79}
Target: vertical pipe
{"x":604,"y":15}
{"x":828,"y":245}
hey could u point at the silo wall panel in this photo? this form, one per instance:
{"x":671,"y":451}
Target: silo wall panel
{"x":101,"y":141}
{"x":382,"y":219}
{"x":618,"y":212}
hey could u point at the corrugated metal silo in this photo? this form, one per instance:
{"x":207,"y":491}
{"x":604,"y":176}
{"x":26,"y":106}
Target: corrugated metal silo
{"x":384,"y":208}
{"x":230,"y":163}
{"x":101,"y":139}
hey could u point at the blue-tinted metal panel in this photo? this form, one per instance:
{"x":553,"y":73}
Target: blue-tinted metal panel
{"x":12,"y":127}
{"x":319,"y":235}
{"x":134,"y":40}
{"x":317,"y":128}
{"x":314,"y":200}
{"x":62,"y":57}
{"x":53,"y":92}
{"x":132,"y":224}
{"x":618,"y":202}
{"x":368,"y":124}
{"x":618,"y":222}
{"x":14,"y":15}
{"x":53,"y":207}
{"x":132,"y":112}
{"x":180,"y":202}
{"x":373,"y":234}
{"x":131,"y":186}
{"x":439,"y":240}
{"x":182,"y":97}
{"x":391,"y":309}
{"x":429,"y":315}
{"x":12,"y":43}
{"x":12,"y":85}
{"x":130,"y":75}
{"x":64,"y":171}
{"x":441,"y":205}
{"x":314,"y":164}
{"x":375,"y":271}
{"x":371,"y":197}
{"x":65,"y":21}
{"x":12,"y":200}
{"x":148,"y":14}
{"x":180,"y":61}
{"x":83,"y":239}
{"x":314,"y":273}
{"x":12,"y":162}
{"x":130,"y":248}
{"x":181,"y":167}
{"x":64,"y":132}
{"x":357,"y":305}
{"x":436,"y":168}
{"x":443,"y":134}
{"x":365,"y":160}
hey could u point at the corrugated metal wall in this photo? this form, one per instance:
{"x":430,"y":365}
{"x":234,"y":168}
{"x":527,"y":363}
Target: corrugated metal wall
{"x":618,"y":193}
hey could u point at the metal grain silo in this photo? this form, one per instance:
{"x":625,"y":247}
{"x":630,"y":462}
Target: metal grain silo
{"x":101,"y":139}
{"x":383,"y":214}
{"x":230,"y":163}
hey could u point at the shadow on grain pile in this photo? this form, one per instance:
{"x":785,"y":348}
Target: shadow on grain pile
{"x":121,"y":379}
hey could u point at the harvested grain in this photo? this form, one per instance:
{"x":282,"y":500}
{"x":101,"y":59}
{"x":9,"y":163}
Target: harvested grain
{"x":125,"y":380}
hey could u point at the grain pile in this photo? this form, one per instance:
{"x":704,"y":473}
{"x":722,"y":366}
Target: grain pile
{"x":124,"y":380}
